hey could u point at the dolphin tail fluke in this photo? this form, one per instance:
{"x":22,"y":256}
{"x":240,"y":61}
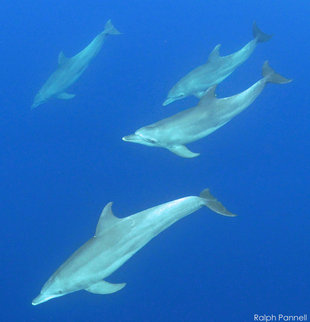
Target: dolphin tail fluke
{"x":259,"y":35}
{"x":110,"y":29}
{"x":271,"y":76}
{"x":212,"y":203}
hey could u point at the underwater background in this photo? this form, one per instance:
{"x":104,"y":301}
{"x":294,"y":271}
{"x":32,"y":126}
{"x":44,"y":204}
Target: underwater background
{"x":61,"y":163}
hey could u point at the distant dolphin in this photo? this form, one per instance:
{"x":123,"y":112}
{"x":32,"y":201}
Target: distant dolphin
{"x":215,"y":70}
{"x":197,"y":122}
{"x":115,"y":241}
{"x":70,"y":69}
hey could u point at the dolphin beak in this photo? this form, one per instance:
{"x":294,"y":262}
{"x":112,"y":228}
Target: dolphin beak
{"x":41,"y":298}
{"x":35,"y":104}
{"x":131,"y":138}
{"x":168,"y":101}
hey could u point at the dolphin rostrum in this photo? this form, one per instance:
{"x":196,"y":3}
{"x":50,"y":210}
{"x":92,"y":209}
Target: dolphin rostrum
{"x":197,"y":122}
{"x":215,"y":70}
{"x":115,"y":241}
{"x":70,"y":69}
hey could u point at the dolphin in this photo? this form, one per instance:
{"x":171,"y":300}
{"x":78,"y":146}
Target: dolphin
{"x":115,"y":241}
{"x":70,"y":69}
{"x":197,"y":122}
{"x":215,"y":70}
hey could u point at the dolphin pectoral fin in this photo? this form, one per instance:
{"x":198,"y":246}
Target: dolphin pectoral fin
{"x":183,"y":151}
{"x":104,"y":287}
{"x":65,"y":96}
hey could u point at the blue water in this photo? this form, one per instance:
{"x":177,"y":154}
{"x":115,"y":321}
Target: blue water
{"x":61,"y":163}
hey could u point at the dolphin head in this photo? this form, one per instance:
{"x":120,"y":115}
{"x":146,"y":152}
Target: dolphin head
{"x":145,"y":135}
{"x":38,"y":100}
{"x":51,"y":289}
{"x":176,"y":93}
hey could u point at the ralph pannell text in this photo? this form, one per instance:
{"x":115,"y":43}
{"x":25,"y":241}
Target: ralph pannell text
{"x":279,"y":317}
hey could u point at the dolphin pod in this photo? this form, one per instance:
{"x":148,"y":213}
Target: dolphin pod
{"x":70,"y":69}
{"x":197,"y":122}
{"x":115,"y":241}
{"x":215,"y":70}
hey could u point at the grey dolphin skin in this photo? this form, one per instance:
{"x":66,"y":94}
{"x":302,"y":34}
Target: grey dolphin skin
{"x":70,"y":69}
{"x":115,"y":241}
{"x":215,"y":70}
{"x":197,"y":122}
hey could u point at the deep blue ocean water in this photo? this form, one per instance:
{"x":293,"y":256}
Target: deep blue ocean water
{"x":61,"y":163}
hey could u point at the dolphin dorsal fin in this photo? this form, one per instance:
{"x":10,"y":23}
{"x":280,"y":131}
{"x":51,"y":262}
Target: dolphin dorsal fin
{"x":62,"y":59}
{"x":106,"y":220}
{"x":215,"y":53}
{"x":208,"y":96}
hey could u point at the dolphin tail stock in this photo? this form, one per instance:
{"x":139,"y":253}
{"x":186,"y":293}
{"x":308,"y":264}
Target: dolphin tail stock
{"x":212,"y":203}
{"x":259,"y":35}
{"x":271,"y":76}
{"x":110,"y":29}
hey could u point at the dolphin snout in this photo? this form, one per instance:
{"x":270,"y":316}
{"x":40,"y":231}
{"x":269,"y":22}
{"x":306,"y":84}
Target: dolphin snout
{"x":130,"y":138}
{"x":168,"y":101}
{"x":39,"y":299}
{"x":36,"y":103}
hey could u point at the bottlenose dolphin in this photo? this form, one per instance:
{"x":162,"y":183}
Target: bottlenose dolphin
{"x":115,"y":241}
{"x":70,"y":69}
{"x":197,"y":122}
{"x":215,"y":70}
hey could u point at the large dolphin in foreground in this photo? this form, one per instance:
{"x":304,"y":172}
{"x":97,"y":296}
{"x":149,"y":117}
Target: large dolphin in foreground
{"x":115,"y":241}
{"x":197,"y":122}
{"x":70,"y":69}
{"x":215,"y":70}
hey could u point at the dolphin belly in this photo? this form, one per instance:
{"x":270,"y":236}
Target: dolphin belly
{"x":59,"y":81}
